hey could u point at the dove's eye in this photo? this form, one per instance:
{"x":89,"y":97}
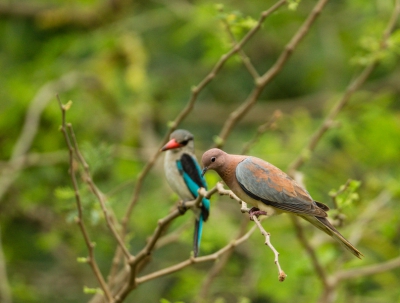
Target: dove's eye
{"x":213,"y":159}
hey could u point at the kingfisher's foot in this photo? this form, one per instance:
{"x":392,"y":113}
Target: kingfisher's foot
{"x":254,"y":211}
{"x":182,"y":207}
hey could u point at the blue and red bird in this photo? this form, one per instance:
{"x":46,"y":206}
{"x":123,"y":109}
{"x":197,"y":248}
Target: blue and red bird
{"x":184,"y":176}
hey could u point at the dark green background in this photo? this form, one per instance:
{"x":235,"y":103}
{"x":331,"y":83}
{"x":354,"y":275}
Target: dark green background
{"x":131,"y":72}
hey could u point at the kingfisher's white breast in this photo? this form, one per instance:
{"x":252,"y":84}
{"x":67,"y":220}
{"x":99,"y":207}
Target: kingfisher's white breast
{"x":174,"y":178}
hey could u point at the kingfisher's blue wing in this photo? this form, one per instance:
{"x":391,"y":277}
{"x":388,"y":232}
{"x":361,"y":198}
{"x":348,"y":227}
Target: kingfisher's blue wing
{"x":264,"y":182}
{"x":191,"y":168}
{"x":191,"y":173}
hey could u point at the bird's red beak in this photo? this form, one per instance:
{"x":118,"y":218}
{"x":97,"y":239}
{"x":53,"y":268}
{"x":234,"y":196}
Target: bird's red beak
{"x":171,"y":145}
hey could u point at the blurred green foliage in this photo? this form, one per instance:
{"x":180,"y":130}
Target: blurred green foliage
{"x":132,"y":71}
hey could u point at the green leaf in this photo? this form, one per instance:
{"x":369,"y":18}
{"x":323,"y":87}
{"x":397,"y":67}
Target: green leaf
{"x":218,"y":140}
{"x":92,"y":291}
{"x":68,"y":105}
{"x":64,"y":193}
{"x":293,"y":4}
{"x":82,"y":260}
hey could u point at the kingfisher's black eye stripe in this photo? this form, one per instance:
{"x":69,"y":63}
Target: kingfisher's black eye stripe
{"x":186,"y":141}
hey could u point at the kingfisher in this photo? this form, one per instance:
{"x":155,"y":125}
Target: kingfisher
{"x":184,"y":176}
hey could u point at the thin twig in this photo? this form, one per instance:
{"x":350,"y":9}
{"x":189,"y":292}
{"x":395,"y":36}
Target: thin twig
{"x":282,"y":275}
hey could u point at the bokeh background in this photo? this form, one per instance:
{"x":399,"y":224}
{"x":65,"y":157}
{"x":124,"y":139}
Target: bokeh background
{"x":128,"y":67}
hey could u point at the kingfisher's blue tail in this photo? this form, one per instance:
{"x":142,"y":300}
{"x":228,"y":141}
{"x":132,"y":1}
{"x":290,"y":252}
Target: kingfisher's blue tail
{"x":198,"y":225}
{"x":198,"y":230}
